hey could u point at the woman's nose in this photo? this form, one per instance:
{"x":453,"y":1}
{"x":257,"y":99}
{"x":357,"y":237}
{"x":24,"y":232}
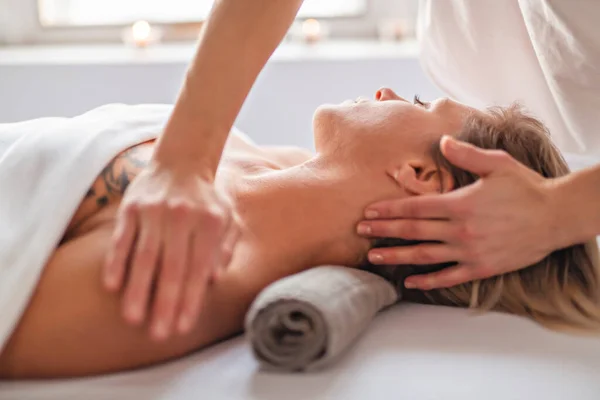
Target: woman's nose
{"x":385,"y":94}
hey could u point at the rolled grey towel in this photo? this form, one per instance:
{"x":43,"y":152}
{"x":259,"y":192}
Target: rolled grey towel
{"x":304,"y":321}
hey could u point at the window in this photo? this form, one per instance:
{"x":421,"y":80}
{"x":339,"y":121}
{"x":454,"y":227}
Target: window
{"x":117,"y":12}
{"x":86,"y":21}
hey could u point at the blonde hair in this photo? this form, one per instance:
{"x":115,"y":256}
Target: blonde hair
{"x":562,"y":290}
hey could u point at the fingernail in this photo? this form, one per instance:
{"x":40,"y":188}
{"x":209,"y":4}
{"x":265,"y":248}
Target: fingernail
{"x":410,"y":285}
{"x":364,"y":229}
{"x":449,"y":142}
{"x":109,"y":281}
{"x":217,"y":275}
{"x":371,"y":214}
{"x":185,"y":324}
{"x":159,"y":330}
{"x":375,"y":258}
{"x":134,"y":312}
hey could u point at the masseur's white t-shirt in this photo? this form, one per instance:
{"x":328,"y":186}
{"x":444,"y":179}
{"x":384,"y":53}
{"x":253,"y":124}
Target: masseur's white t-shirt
{"x":543,"y":53}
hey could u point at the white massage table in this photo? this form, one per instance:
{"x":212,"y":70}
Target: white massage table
{"x":410,"y":352}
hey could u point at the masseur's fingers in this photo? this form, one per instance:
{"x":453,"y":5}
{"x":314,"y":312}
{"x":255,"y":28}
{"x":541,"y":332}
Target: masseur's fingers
{"x":173,"y":266}
{"x":181,"y":223}
{"x":479,"y":161}
{"x":143,"y":266}
{"x":438,"y":207}
{"x":464,"y":155}
{"x":232,"y":235}
{"x":409,"y":229}
{"x":228,"y":245}
{"x":421,"y":254}
{"x":503,"y":222}
{"x":445,"y":278}
{"x":203,"y":255}
{"x":119,"y":251}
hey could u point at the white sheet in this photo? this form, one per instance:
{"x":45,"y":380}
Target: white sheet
{"x":46,"y":167}
{"x":410,"y":352}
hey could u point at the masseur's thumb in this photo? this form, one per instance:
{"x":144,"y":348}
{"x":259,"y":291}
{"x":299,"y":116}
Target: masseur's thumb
{"x":472,"y":158}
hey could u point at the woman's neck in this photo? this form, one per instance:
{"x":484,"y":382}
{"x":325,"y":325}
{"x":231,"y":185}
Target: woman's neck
{"x":305,"y":213}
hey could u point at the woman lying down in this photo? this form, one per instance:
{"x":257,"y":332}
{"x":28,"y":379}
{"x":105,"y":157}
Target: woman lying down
{"x":297,"y":210}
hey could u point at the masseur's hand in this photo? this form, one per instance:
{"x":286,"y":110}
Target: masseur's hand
{"x":174,"y":231}
{"x":501,"y":223}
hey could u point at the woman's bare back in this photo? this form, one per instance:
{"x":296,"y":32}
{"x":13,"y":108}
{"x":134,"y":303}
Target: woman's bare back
{"x":73,"y":326}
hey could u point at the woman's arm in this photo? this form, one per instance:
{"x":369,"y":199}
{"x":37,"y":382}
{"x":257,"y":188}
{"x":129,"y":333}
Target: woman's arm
{"x":74,"y":328}
{"x":174,"y":226}
{"x":236,"y":41}
{"x":577,"y":207}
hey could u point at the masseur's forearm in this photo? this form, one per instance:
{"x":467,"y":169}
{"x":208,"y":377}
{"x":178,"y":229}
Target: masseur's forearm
{"x":577,"y":206}
{"x":236,"y":41}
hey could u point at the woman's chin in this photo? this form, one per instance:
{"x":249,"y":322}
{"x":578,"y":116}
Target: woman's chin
{"x":328,"y":119}
{"x":326,"y":114}
{"x":325,"y":110}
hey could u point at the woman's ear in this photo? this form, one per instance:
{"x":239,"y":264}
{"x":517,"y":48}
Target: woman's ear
{"x":419,"y":178}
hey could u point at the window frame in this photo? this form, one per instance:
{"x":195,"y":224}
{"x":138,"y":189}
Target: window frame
{"x":23,"y":27}
{"x":349,"y":14}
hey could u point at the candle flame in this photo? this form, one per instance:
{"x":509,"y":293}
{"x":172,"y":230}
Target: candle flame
{"x":141,"y":31}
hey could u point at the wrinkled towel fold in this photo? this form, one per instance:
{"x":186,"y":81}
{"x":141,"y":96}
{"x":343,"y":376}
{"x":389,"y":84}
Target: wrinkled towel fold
{"x":305,"y":321}
{"x":46,"y":167}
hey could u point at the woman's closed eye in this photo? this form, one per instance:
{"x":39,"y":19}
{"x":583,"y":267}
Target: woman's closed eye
{"x":417,"y":101}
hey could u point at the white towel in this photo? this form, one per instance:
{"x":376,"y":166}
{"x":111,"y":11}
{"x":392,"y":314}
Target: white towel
{"x":46,"y":167}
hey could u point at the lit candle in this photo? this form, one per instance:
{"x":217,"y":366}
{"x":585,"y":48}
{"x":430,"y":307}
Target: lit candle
{"x":141,"y":34}
{"x":311,"y":30}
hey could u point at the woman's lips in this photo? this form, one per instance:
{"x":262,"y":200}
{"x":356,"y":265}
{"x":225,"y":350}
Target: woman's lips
{"x":355,"y":101}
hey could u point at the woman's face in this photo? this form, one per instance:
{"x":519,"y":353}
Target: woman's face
{"x":387,"y":129}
